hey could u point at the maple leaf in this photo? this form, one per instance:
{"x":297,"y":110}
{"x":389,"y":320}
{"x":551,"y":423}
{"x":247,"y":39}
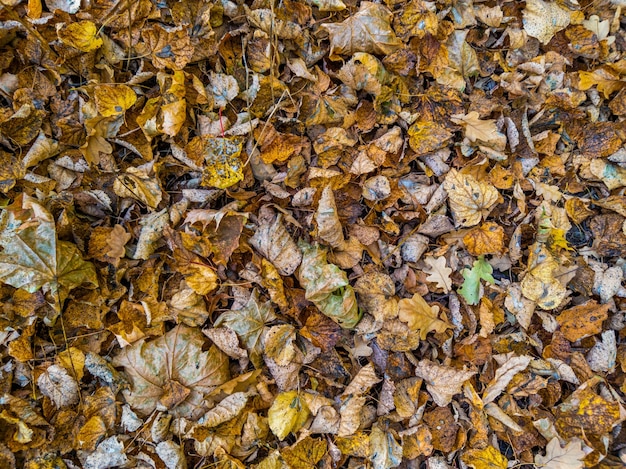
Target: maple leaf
{"x":172,"y":373}
{"x":557,"y":457}
{"x":470,"y":290}
{"x":32,"y":257}
{"x":249,"y":323}
{"x":420,"y":316}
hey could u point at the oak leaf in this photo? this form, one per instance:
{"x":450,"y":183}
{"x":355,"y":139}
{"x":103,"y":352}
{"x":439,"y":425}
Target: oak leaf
{"x":420,"y":316}
{"x":470,"y":290}
{"x":438,"y":272}
{"x":480,"y":130}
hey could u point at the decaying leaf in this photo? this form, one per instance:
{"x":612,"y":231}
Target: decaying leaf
{"x":368,"y":30}
{"x":32,"y":256}
{"x":172,"y":373}
{"x":470,"y":200}
{"x":558,"y":457}
{"x":327,"y":286}
{"x":442,"y":382}
{"x":249,"y":323}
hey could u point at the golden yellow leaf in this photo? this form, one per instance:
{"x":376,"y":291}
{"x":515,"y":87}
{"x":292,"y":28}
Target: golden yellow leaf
{"x":485,"y":239}
{"x":420,"y":316}
{"x":223,"y":167}
{"x":470,"y":199}
{"x":114,"y":100}
{"x":426,"y":137}
{"x":202,"y":279}
{"x":606,"y":80}
{"x":306,"y":453}
{"x":486,"y":458}
{"x":273,"y":282}
{"x":540,"y":284}
{"x":480,"y":130}
{"x":90,"y":434}
{"x":83,"y":35}
{"x":73,"y":360}
{"x":287,"y":414}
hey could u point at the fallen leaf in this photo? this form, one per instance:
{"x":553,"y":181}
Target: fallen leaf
{"x":83,"y":35}
{"x":172,"y":373}
{"x":438,"y":273}
{"x":442,"y":382}
{"x":486,"y":458}
{"x":569,"y":457}
{"x":543,"y":20}
{"x":470,"y":200}
{"x":287,"y":414}
{"x":368,"y":30}
{"x":470,"y":290}
{"x":420,"y":316}
{"x":32,"y":257}
{"x":249,"y":322}
{"x":327,"y":286}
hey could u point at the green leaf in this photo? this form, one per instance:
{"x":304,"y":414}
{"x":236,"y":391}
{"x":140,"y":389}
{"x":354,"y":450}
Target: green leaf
{"x":249,"y":323}
{"x":32,"y":257}
{"x":327,"y":286}
{"x":481,"y":270}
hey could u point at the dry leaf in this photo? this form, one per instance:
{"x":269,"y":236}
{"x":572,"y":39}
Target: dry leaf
{"x":368,"y":30}
{"x":470,"y":200}
{"x":442,"y":382}
{"x":569,"y":457}
{"x":420,"y":316}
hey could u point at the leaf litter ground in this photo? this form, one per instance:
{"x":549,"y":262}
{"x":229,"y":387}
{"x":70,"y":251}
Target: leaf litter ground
{"x":312,"y":234}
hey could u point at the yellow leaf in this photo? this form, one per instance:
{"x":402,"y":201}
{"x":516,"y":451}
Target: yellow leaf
{"x":287,"y":414}
{"x":420,"y":316}
{"x":485,"y":239}
{"x":114,"y":100}
{"x":202,"y":279}
{"x":540,"y":284}
{"x":81,"y":35}
{"x":486,"y":458}
{"x":470,"y":199}
{"x":426,"y":137}
{"x":305,"y":454}
{"x":223,"y":167}
{"x":73,"y":360}
{"x":606,"y":80}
